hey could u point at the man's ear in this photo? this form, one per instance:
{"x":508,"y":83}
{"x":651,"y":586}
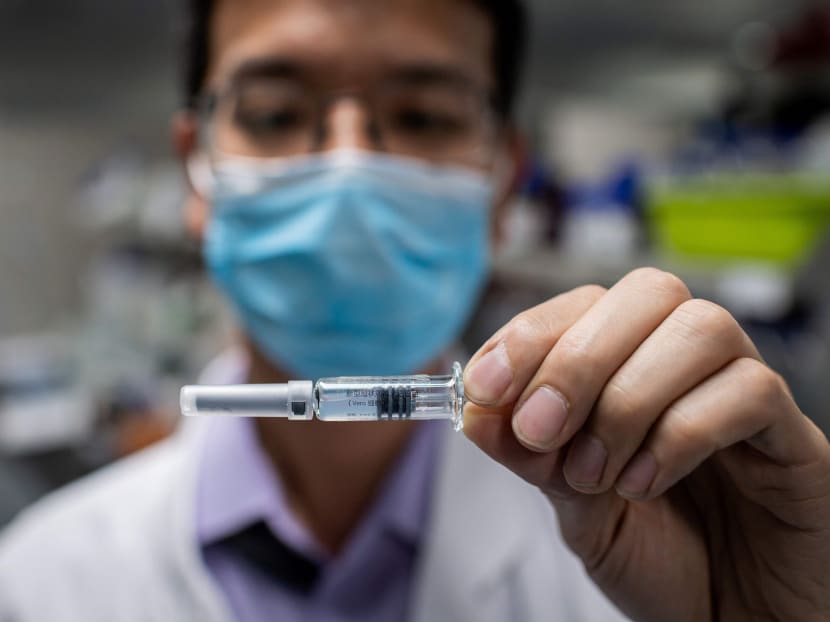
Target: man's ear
{"x":185,"y":135}
{"x":510,"y":171}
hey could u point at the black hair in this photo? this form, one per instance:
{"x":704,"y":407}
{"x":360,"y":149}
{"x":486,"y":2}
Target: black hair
{"x":508,"y":18}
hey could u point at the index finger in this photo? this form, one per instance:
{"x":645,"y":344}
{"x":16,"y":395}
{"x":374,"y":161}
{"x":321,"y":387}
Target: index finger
{"x":498,"y":373}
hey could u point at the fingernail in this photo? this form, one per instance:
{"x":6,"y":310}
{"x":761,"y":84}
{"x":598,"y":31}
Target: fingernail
{"x":586,"y":461}
{"x":490,"y":377}
{"x":638,"y":476}
{"x":540,"y":419}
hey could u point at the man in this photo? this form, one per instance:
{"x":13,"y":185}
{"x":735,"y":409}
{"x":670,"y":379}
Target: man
{"x":350,"y":163}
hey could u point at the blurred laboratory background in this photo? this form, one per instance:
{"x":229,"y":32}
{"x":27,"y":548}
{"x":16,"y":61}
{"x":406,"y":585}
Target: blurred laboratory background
{"x":690,"y":135}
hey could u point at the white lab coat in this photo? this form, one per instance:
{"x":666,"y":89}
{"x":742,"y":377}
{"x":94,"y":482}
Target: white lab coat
{"x":120,"y":546}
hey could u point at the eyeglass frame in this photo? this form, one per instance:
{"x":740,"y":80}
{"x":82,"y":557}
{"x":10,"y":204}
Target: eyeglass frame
{"x":206,"y":104}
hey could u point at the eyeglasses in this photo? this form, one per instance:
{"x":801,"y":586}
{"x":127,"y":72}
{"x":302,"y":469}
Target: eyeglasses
{"x":446,"y":121}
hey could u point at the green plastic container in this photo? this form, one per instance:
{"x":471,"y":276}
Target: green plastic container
{"x":776,"y":219}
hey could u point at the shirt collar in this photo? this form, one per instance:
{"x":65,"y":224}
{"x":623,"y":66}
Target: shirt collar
{"x":238,"y":486}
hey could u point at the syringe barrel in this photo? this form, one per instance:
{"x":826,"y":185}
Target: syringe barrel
{"x":292,"y":400}
{"x":391,"y":397}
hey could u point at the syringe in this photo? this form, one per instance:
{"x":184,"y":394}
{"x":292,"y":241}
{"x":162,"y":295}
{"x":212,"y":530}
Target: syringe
{"x":336,"y":399}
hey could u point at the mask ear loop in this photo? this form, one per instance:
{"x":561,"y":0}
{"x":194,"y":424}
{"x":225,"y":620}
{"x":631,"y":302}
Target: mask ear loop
{"x":198,"y":165}
{"x":200,"y":174}
{"x":503,"y":172}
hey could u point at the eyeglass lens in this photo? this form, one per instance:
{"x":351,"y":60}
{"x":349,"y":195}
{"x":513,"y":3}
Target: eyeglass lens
{"x":281,"y":117}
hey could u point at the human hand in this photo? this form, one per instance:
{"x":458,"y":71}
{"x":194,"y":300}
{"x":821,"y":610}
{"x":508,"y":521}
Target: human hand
{"x":682,"y":471}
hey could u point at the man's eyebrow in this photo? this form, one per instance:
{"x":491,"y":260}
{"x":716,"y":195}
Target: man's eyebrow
{"x":417,"y":73}
{"x":433,"y":73}
{"x":265,"y":68}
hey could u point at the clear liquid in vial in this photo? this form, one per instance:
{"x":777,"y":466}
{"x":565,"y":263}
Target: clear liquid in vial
{"x":393,"y":398}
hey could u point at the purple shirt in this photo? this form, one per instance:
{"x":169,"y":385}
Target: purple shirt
{"x":369,"y":580}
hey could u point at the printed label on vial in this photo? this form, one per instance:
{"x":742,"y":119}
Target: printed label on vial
{"x":374,"y":403}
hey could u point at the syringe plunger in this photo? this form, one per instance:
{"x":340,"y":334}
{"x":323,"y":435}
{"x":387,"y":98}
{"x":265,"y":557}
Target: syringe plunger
{"x":292,"y":400}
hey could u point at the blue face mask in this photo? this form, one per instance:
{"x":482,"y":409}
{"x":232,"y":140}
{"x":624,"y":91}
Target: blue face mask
{"x":350,"y":263}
